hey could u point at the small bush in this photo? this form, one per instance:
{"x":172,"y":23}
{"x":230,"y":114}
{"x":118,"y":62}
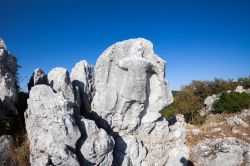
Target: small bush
{"x":185,"y":103}
{"x":245,"y":82}
{"x":232,"y":102}
{"x":189,"y":100}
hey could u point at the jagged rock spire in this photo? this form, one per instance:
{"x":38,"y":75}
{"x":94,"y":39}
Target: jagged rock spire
{"x":2,"y":44}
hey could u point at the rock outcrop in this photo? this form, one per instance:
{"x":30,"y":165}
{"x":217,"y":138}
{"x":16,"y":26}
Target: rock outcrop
{"x":221,"y":152}
{"x":98,"y":146}
{"x":51,"y":128}
{"x":126,"y":127}
{"x":131,"y":90}
{"x":240,"y":89}
{"x":82,"y":78}
{"x":8,"y":85}
{"x":130,"y":85}
{"x":209,"y":101}
{"x":59,"y":135}
{"x":38,"y":77}
{"x":59,"y":80}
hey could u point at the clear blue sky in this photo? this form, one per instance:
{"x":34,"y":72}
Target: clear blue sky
{"x":200,"y":39}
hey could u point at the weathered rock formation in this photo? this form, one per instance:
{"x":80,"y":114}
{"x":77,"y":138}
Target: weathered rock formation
{"x":8,"y":86}
{"x":130,"y":85}
{"x":59,"y":80}
{"x":209,"y":101}
{"x":126,"y":127}
{"x":58,"y":134}
{"x":51,"y":128}
{"x":222,"y":152}
{"x":240,"y":89}
{"x":131,"y":90}
{"x":98,"y":146}
{"x":82,"y":78}
{"x":38,"y":77}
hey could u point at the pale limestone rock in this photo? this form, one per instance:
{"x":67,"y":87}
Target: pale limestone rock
{"x":240,"y":89}
{"x":98,"y":147}
{"x":82,"y":78}
{"x":8,"y":69}
{"x":130,"y":85}
{"x":51,"y":128}
{"x":221,"y":152}
{"x":59,"y":80}
{"x":129,"y":151}
{"x":131,"y":90}
{"x":216,"y":130}
{"x":209,"y":101}
{"x":235,"y":120}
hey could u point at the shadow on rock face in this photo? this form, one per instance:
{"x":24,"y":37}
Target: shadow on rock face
{"x":186,"y":162}
{"x":81,"y":140}
{"x":119,"y":151}
{"x":81,"y":97}
{"x":21,"y":106}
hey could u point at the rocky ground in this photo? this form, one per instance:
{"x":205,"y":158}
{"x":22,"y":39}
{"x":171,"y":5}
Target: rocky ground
{"x":224,"y":139}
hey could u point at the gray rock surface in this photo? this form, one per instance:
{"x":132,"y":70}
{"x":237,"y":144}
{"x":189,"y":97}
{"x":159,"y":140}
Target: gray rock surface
{"x":245,"y":113}
{"x":51,"y":128}
{"x":8,"y":69}
{"x":98,"y":147}
{"x":82,"y":78}
{"x":240,"y":89}
{"x":59,"y":80}
{"x":209,"y":101}
{"x":6,"y":145}
{"x":235,"y":120}
{"x":130,"y":85}
{"x":38,"y":77}
{"x":60,"y":136}
{"x":221,"y":152}
{"x":131,"y":90}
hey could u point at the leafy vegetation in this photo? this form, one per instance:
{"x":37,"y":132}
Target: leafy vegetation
{"x":186,"y":103}
{"x":232,"y":102}
{"x":189,"y":100}
{"x":245,"y":82}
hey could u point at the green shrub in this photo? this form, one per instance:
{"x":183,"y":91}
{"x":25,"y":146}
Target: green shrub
{"x":245,"y":82}
{"x":232,"y":102}
{"x":189,"y":100}
{"x":185,"y":103}
{"x":203,"y":89}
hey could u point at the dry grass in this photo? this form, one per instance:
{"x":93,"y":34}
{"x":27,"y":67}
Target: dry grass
{"x":20,"y":154}
{"x":219,"y":121}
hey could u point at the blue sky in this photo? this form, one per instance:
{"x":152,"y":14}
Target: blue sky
{"x":199,"y":39}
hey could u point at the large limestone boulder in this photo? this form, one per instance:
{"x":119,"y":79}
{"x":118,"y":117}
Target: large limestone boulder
{"x":59,"y":80}
{"x":82,"y":78}
{"x":8,"y":86}
{"x":131,"y":88}
{"x":60,"y":136}
{"x":51,"y":128}
{"x":221,"y":152}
